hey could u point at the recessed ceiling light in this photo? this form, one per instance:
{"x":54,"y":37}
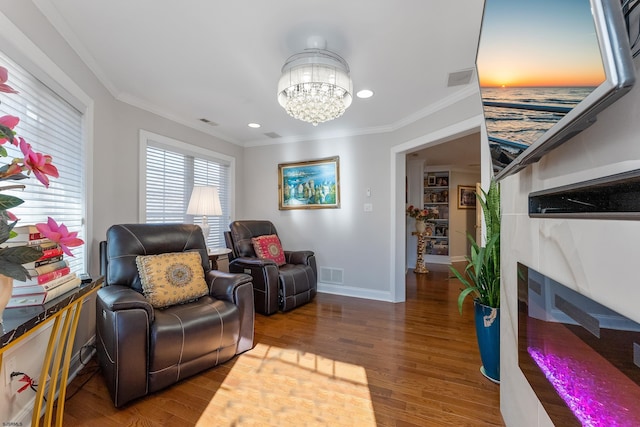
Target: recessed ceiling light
{"x":254,"y":125}
{"x":364,"y":93}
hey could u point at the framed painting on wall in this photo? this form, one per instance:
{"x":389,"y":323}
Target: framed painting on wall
{"x":466,"y":197}
{"x":312,"y":184}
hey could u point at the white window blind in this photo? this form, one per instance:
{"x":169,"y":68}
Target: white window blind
{"x":52,"y":126}
{"x":171,"y":174}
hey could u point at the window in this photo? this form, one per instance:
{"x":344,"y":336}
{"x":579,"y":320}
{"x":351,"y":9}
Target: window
{"x":171,"y":170}
{"x":52,"y":126}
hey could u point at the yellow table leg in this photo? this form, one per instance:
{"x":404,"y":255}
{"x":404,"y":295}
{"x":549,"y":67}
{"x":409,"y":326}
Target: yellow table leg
{"x":56,"y":364}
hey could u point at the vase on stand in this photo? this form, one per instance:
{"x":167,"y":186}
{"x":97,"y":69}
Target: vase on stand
{"x":6,"y":289}
{"x":421,"y":226}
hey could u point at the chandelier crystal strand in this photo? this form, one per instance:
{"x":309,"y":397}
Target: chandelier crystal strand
{"x":315,"y":102}
{"x":315,"y":86}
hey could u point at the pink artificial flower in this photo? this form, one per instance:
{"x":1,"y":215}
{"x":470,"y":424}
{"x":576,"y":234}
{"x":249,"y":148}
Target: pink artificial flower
{"x":59,"y":234}
{"x":11,"y":216}
{"x":39,"y":164}
{"x":4,"y":76}
{"x":10,"y":122}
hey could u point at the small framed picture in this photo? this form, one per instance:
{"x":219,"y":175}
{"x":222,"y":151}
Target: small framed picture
{"x":431,"y":180}
{"x":466,"y":197}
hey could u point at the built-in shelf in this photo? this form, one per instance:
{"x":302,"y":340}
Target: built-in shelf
{"x":436,"y":200}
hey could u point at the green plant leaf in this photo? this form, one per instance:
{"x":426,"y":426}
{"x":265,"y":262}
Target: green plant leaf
{"x":13,"y":270}
{"x":5,"y":228}
{"x":481,"y":276}
{"x":20,"y":254}
{"x":9,"y":202}
{"x":6,"y":133}
{"x":463,"y":295}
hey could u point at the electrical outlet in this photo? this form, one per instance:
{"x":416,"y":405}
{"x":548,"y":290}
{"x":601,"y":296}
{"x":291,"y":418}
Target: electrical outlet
{"x":9,"y":367}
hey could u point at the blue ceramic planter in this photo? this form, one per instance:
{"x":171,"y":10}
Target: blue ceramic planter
{"x":488,"y":333}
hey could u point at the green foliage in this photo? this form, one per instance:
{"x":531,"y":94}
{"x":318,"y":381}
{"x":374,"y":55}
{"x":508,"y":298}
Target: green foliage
{"x":481,"y":276}
{"x":9,"y":202}
{"x":12,"y":258}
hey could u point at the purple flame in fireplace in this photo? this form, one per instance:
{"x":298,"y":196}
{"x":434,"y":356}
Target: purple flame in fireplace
{"x":591,"y":399}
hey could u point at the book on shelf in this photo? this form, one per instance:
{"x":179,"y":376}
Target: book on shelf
{"x":43,"y":260}
{"x":43,"y":278}
{"x":47,"y":268}
{"x":43,"y":297}
{"x":49,"y":249}
{"x":26,"y":233}
{"x":37,"y":242}
{"x":39,"y":289}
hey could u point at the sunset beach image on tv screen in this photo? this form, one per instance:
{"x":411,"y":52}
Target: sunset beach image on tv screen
{"x":543,"y":53}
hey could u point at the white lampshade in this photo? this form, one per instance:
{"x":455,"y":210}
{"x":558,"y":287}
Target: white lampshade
{"x":204,"y":201}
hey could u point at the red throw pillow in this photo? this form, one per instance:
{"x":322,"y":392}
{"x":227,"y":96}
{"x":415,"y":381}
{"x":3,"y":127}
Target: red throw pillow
{"x":269,"y":247}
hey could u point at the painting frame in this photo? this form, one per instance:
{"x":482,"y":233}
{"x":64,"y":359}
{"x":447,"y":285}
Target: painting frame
{"x":466,"y":197}
{"x":309,"y":184}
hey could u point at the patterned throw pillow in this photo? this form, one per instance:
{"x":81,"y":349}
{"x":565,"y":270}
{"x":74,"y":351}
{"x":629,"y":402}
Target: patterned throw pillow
{"x":269,"y":247}
{"x":171,"y":278}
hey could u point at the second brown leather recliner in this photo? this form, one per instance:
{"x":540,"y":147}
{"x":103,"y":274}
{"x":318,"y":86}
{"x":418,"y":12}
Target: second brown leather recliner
{"x":283,"y":287}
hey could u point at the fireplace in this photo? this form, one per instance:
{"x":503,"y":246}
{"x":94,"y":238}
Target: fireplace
{"x":581,"y":358}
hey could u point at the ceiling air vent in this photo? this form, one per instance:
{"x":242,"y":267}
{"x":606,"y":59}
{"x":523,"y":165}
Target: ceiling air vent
{"x":272,"y":135}
{"x":209,"y":122}
{"x":458,"y":78}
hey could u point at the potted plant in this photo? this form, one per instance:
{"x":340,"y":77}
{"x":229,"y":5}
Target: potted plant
{"x":481,"y":278}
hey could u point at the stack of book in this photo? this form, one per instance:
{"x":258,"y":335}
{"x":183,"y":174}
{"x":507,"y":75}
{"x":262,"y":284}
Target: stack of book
{"x":50,"y":274}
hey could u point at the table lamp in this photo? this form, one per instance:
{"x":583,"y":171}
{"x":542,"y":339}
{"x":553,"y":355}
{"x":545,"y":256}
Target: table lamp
{"x":205,"y":202}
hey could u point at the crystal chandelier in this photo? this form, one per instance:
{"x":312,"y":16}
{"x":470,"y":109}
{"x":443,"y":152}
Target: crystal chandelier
{"x":315,"y":85}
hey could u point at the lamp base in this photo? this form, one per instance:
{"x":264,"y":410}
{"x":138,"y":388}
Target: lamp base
{"x":205,"y":228}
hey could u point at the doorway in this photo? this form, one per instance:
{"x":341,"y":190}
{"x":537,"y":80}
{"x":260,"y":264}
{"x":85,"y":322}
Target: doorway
{"x":398,"y":176}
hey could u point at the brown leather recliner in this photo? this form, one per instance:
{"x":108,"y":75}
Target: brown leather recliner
{"x":142,"y":349}
{"x":275,"y":288}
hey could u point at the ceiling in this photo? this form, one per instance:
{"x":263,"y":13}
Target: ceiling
{"x":221,"y":60}
{"x":463,"y":152}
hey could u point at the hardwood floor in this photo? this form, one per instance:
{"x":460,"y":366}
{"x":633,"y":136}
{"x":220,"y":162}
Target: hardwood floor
{"x":335,"y":362}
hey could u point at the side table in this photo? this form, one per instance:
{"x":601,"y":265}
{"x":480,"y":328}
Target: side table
{"x":422,"y":243}
{"x":64,"y":312}
{"x":215,"y":253}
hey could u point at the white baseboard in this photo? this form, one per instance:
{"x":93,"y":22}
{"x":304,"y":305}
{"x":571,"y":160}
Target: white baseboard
{"x":349,"y":291}
{"x":75,"y":365}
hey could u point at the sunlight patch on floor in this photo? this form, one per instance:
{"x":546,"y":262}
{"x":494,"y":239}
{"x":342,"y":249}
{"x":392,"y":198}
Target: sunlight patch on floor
{"x":272,"y":386}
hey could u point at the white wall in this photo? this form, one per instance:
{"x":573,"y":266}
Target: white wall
{"x":346,"y":238}
{"x":598,"y":258}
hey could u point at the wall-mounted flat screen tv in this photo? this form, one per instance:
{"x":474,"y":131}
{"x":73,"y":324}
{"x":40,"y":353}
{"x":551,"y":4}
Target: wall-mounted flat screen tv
{"x":546,"y":68}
